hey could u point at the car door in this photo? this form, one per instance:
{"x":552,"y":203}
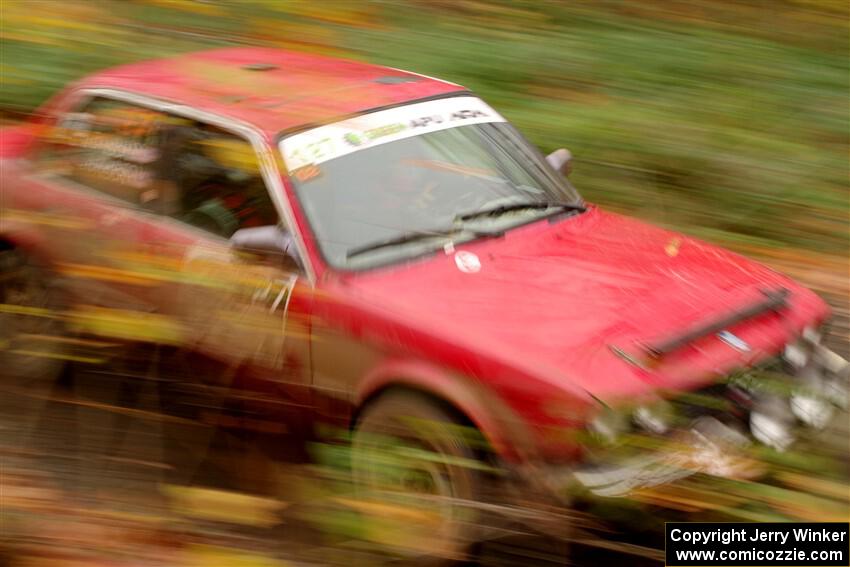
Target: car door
{"x":238,"y":315}
{"x":148,"y":200}
{"x":91,"y":191}
{"x":142,"y":203}
{"x":87,"y":186}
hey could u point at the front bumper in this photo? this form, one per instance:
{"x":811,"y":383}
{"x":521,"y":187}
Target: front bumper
{"x":771,"y":406}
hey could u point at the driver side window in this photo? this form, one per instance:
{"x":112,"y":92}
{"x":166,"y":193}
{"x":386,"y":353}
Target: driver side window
{"x":216,"y":178}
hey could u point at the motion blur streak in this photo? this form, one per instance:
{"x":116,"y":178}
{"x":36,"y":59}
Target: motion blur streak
{"x":177,"y":395}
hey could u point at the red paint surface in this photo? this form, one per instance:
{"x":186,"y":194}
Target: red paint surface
{"x":534,"y":327}
{"x":303,"y":89}
{"x":537,"y":322}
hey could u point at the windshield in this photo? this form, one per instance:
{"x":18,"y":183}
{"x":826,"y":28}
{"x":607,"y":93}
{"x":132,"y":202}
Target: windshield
{"x":395,"y":184}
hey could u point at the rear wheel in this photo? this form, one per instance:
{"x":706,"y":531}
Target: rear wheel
{"x":33,"y":343}
{"x":417,"y":477}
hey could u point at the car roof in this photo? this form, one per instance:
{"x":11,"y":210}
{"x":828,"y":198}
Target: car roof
{"x":272,"y":89}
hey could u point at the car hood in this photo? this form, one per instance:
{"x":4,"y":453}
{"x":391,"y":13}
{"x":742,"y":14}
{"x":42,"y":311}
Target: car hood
{"x":561,"y":297}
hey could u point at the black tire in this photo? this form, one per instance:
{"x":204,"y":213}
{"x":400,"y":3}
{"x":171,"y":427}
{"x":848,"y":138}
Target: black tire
{"x":414,"y":464}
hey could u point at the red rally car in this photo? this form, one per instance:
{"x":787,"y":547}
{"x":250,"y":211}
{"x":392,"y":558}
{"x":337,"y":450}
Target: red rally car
{"x":384,"y":251}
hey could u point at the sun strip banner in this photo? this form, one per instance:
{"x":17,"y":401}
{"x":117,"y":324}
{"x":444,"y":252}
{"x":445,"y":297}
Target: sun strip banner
{"x":341,"y":138}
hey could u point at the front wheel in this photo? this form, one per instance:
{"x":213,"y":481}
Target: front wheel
{"x":417,"y":476}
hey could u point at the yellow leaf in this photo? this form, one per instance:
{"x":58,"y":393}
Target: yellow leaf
{"x":222,"y":506}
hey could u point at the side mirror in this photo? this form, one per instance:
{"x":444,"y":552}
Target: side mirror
{"x":266,"y":241}
{"x":561,"y":161}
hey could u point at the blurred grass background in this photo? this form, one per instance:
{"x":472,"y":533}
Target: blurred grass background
{"x":727,"y":119}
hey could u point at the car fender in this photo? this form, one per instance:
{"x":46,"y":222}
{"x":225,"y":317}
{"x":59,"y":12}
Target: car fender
{"x":506,"y":433}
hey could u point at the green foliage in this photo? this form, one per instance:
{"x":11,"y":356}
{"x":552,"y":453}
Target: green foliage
{"x":727,"y":120}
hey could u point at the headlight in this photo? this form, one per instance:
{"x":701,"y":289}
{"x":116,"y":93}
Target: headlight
{"x":822,"y":376}
{"x":609,"y":425}
{"x":836,"y":386}
{"x":657,"y":418}
{"x":771,"y":431}
{"x":796,"y":355}
{"x":812,"y":335}
{"x":772,"y":422}
{"x":812,"y":411}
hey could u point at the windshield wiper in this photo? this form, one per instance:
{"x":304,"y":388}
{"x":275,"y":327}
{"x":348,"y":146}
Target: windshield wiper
{"x":506,"y":208}
{"x":415,"y":235}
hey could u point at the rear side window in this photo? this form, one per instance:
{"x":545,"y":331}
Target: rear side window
{"x":191,"y":171}
{"x":109,"y":146}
